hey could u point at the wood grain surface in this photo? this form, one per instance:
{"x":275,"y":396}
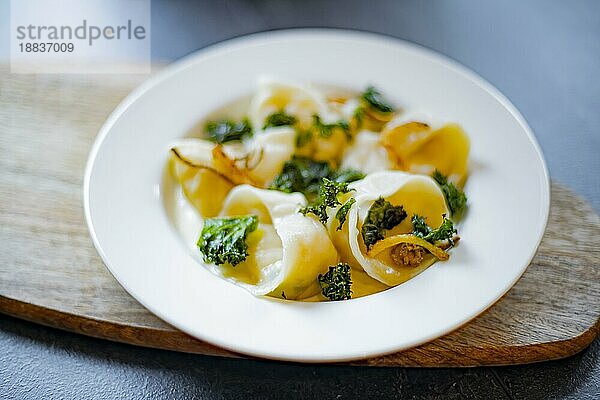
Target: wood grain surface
{"x":51,"y":274}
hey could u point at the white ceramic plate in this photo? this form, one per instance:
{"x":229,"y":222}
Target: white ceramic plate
{"x":508,"y":193}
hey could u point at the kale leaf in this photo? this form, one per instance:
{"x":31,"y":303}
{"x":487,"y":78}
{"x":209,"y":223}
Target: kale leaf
{"x":326,"y":130}
{"x":303,"y":137}
{"x":342,"y":213}
{"x":304,"y":175}
{"x":223,"y":240}
{"x":358,"y":116}
{"x":382,"y":216}
{"x":456,"y":198}
{"x":347,"y":175}
{"x":226,"y":130}
{"x":336,"y":284}
{"x":374,"y":99}
{"x":420,"y":227}
{"x":328,"y":197}
{"x":445,"y":231}
{"x":279,"y":118}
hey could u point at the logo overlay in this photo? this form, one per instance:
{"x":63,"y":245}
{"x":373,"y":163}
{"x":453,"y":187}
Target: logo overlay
{"x":73,"y":36}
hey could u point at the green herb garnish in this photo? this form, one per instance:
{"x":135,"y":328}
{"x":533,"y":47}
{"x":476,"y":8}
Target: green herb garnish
{"x":304,"y":175}
{"x":223,"y":240}
{"x":445,"y":231}
{"x":373,"y":98}
{"x":342,"y":213}
{"x":336,"y":284}
{"x":347,"y":175}
{"x":328,"y":198}
{"x":382,"y":216}
{"x":326,"y":130}
{"x":226,"y":130}
{"x":359,"y":115}
{"x":279,"y":118}
{"x":303,"y":137}
{"x":420,"y":227}
{"x":456,"y":198}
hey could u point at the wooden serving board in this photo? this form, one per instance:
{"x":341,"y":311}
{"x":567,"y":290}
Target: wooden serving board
{"x":51,"y":274}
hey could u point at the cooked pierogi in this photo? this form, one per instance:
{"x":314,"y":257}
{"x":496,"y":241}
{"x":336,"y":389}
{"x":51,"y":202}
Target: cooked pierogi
{"x":421,"y":148}
{"x":419,"y":195}
{"x":268,"y":152}
{"x":274,"y":96}
{"x":317,"y":195}
{"x":192,"y":165}
{"x":286,"y":252}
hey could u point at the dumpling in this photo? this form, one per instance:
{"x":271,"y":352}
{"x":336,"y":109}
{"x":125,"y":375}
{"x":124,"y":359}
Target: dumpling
{"x":191,"y":165}
{"x":416,"y":147}
{"x":288,"y":250}
{"x":329,"y":148}
{"x":304,"y":103}
{"x":321,"y":148}
{"x":366,"y":154}
{"x":203,"y":167}
{"x":207,"y":171}
{"x":273,"y":96}
{"x":418,"y":195}
{"x":268,"y":151}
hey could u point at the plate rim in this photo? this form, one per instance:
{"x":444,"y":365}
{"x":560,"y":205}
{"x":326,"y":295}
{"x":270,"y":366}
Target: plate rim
{"x":242,"y":41}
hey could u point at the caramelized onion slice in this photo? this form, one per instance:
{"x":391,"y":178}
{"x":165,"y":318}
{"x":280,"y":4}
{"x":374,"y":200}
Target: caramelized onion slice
{"x":196,"y":155}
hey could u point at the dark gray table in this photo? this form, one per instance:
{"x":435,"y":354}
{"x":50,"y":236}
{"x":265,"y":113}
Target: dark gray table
{"x":543,"y":55}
